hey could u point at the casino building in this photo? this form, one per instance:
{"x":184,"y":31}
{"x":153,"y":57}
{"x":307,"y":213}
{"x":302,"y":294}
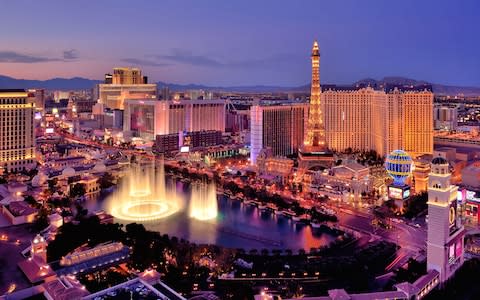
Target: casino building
{"x":363,"y":118}
{"x":148,"y":118}
{"x":17,"y":138}
{"x":445,"y":239}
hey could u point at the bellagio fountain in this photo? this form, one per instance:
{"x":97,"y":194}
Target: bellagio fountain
{"x":144,"y":196}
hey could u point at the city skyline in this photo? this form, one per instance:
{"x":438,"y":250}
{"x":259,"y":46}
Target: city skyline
{"x":264,"y":44}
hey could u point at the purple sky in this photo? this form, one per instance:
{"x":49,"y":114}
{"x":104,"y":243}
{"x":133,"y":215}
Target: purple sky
{"x":243,"y":42}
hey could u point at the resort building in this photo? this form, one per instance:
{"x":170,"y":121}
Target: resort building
{"x":278,"y":127}
{"x":125,"y":83}
{"x":149,"y":118}
{"x":361,"y":118}
{"x":445,"y":117}
{"x":17,"y":139}
{"x":445,"y":238}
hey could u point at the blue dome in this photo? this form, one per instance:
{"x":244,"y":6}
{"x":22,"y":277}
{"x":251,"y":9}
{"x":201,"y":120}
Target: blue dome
{"x":399,"y":166}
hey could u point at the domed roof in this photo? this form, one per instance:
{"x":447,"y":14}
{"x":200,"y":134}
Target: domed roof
{"x":39,"y":179}
{"x":99,"y":167}
{"x":68,"y":172}
{"x":439,"y":161}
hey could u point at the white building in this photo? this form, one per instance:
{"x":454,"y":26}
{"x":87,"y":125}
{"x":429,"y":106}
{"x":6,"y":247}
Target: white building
{"x":445,"y":239}
{"x":17,"y":139}
{"x":445,"y":117}
{"x":126,"y":83}
{"x":149,"y":118}
{"x":279,"y":128}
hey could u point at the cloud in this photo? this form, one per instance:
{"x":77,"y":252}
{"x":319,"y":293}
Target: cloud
{"x":8,"y":56}
{"x":70,"y":54}
{"x":144,"y":62}
{"x":189,"y":58}
{"x":15,"y":57}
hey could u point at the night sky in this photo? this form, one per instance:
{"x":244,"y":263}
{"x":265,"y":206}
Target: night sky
{"x":232,"y":43}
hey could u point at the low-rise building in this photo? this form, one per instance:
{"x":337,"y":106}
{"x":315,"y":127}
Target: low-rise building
{"x":19,"y":212}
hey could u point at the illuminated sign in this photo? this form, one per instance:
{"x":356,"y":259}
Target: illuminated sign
{"x":471,"y":196}
{"x":452,"y":216}
{"x":455,"y":250}
{"x":451,"y":253}
{"x":49,"y":130}
{"x":399,"y":193}
{"x":458,"y":248}
{"x":184,"y":149}
{"x":395,"y":193}
{"x":459,"y":196}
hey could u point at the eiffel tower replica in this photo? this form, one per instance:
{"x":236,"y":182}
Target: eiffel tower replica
{"x":314,"y":152}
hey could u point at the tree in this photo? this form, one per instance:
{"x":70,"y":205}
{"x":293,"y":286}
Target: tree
{"x":52,"y":184}
{"x":416,"y":205}
{"x":30,"y":200}
{"x":106,"y":181}
{"x":41,"y":220}
{"x":77,"y":190}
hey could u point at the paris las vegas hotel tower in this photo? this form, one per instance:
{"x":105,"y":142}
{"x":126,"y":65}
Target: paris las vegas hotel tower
{"x":364,"y":118}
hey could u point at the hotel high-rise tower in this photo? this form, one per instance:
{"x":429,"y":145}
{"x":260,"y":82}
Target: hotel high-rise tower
{"x":315,"y":148}
{"x":445,"y":239}
{"x":17,"y":138}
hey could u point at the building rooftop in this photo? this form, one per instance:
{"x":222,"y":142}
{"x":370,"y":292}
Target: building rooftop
{"x":137,"y":289}
{"x":12,"y":91}
{"x":20,"y":208}
{"x":65,"y":288}
{"x":90,"y":259}
{"x":35,"y":270}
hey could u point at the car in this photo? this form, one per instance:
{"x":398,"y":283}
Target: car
{"x":417,"y":225}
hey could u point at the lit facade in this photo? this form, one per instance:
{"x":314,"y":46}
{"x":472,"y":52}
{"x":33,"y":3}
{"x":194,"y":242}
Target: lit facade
{"x":315,"y":135}
{"x":127,"y":76}
{"x":368,"y":119}
{"x":149,"y":118}
{"x":279,"y":128}
{"x":445,"y":117}
{"x":125,"y":83}
{"x":17,"y":139}
{"x":445,"y":238}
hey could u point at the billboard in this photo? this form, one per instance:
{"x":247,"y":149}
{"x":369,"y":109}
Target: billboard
{"x":142,"y":118}
{"x":455,"y":250}
{"x":184,"y":149}
{"x":395,"y":193}
{"x":398,"y":193}
{"x":452,"y":216}
{"x":472,"y":196}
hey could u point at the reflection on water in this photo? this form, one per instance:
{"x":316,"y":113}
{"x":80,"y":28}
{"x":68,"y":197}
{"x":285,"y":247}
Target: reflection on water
{"x":237,"y":226}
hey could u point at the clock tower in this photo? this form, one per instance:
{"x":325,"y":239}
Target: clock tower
{"x":445,"y":241}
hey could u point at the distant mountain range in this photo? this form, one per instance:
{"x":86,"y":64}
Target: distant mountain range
{"x":78,"y":83}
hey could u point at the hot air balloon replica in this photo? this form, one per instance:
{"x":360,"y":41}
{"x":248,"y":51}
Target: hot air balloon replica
{"x":399,"y":166}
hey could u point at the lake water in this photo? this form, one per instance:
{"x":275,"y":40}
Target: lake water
{"x":236,"y":226}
